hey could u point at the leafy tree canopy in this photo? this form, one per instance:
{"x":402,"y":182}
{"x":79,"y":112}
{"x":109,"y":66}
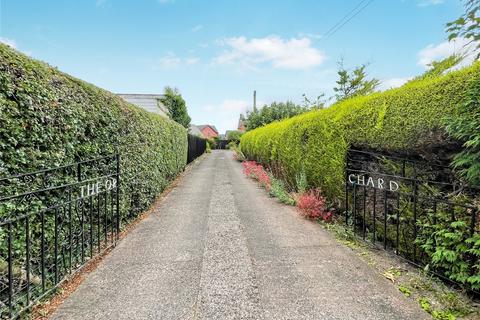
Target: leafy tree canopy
{"x":234,"y":135}
{"x":176,"y":106}
{"x":273,"y":112}
{"x":353,"y":83}
{"x":468,"y":25}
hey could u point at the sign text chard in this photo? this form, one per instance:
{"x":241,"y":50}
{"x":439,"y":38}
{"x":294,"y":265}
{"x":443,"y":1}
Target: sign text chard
{"x":378,"y":183}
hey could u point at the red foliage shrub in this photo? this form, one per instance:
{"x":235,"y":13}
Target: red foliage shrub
{"x":313,"y":205}
{"x":257,"y":172}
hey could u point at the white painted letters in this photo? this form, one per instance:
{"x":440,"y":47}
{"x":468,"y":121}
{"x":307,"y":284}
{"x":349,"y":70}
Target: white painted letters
{"x":394,"y":186}
{"x":378,"y":183}
{"x":351,"y":177}
{"x":370,"y":182}
{"x":97,"y":187}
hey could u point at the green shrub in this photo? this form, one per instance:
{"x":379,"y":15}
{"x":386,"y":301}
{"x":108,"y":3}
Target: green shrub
{"x":406,"y":119}
{"x":278,"y":190}
{"x":466,"y":128}
{"x":48,"y":118}
{"x":237,"y":153}
{"x":301,"y":181}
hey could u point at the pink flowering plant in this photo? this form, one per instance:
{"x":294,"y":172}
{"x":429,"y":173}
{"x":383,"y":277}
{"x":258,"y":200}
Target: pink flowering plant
{"x":313,"y":205}
{"x":256,"y":171}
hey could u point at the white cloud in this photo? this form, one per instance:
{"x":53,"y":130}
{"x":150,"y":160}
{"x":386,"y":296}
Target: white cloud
{"x":445,"y":49}
{"x":393,"y":83}
{"x":172,"y":61}
{"x":197,"y":28}
{"x":295,"y":53}
{"x":9,"y":42}
{"x":427,"y":3}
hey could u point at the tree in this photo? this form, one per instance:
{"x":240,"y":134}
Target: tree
{"x":234,"y":135}
{"x":273,"y":112}
{"x":355,"y":83}
{"x":176,"y":106}
{"x":468,"y":25}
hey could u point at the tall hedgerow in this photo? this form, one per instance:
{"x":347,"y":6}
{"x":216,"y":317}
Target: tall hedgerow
{"x":407,"y":119}
{"x":466,"y":128}
{"x":48,"y":118}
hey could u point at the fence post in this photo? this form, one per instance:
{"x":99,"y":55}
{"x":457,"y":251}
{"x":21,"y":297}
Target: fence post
{"x":27,"y":250}
{"x":364,"y":211}
{"x":42,"y":253}
{"x":118,"y":195}
{"x":79,"y":171}
{"x":55,"y":249}
{"x":374,"y":236}
{"x":10,"y":270}
{"x":415,"y":195}
{"x":346,"y":191}
{"x":385,"y":214}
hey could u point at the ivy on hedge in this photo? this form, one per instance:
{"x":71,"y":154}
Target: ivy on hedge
{"x":48,"y":118}
{"x":406,"y":119}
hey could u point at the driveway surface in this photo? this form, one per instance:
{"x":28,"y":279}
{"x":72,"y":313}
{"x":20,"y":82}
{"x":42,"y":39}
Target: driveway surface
{"x":218,"y":248}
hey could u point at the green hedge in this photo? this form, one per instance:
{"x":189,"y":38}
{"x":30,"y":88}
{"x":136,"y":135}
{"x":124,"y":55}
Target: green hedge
{"x":407,"y":119}
{"x":48,"y":118}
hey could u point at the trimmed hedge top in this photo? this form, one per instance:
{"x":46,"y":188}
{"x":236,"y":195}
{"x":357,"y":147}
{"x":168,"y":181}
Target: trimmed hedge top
{"x":407,"y":119}
{"x":48,"y":118}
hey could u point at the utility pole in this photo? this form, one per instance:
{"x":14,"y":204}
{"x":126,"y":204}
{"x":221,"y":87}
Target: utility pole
{"x":254,"y":100}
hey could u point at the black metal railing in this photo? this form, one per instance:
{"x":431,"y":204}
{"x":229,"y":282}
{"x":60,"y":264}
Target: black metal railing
{"x":401,"y":204}
{"x":196,"y":147}
{"x":52,"y":222}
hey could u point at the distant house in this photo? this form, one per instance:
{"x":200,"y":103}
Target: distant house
{"x":241,"y":124}
{"x":148,"y":102}
{"x":205,"y":131}
{"x":208,"y":131}
{"x":194,"y":130}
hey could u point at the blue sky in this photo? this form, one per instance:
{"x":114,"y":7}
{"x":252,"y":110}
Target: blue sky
{"x":217,"y":52}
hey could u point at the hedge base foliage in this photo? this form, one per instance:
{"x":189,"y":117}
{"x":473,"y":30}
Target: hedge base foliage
{"x":48,"y":118}
{"x":409,"y":119}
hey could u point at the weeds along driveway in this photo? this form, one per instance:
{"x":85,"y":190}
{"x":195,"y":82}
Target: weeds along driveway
{"x":218,"y":248}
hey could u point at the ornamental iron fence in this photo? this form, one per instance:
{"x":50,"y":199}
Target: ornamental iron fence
{"x":52,"y":222}
{"x":406,"y":206}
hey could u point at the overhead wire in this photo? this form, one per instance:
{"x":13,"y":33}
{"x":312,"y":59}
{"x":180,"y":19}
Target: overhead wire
{"x":355,"y":11}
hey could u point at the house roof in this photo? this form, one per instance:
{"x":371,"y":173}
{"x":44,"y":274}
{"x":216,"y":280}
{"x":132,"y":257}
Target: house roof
{"x":203,"y":126}
{"x":193,"y":129}
{"x":148,"y":102}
